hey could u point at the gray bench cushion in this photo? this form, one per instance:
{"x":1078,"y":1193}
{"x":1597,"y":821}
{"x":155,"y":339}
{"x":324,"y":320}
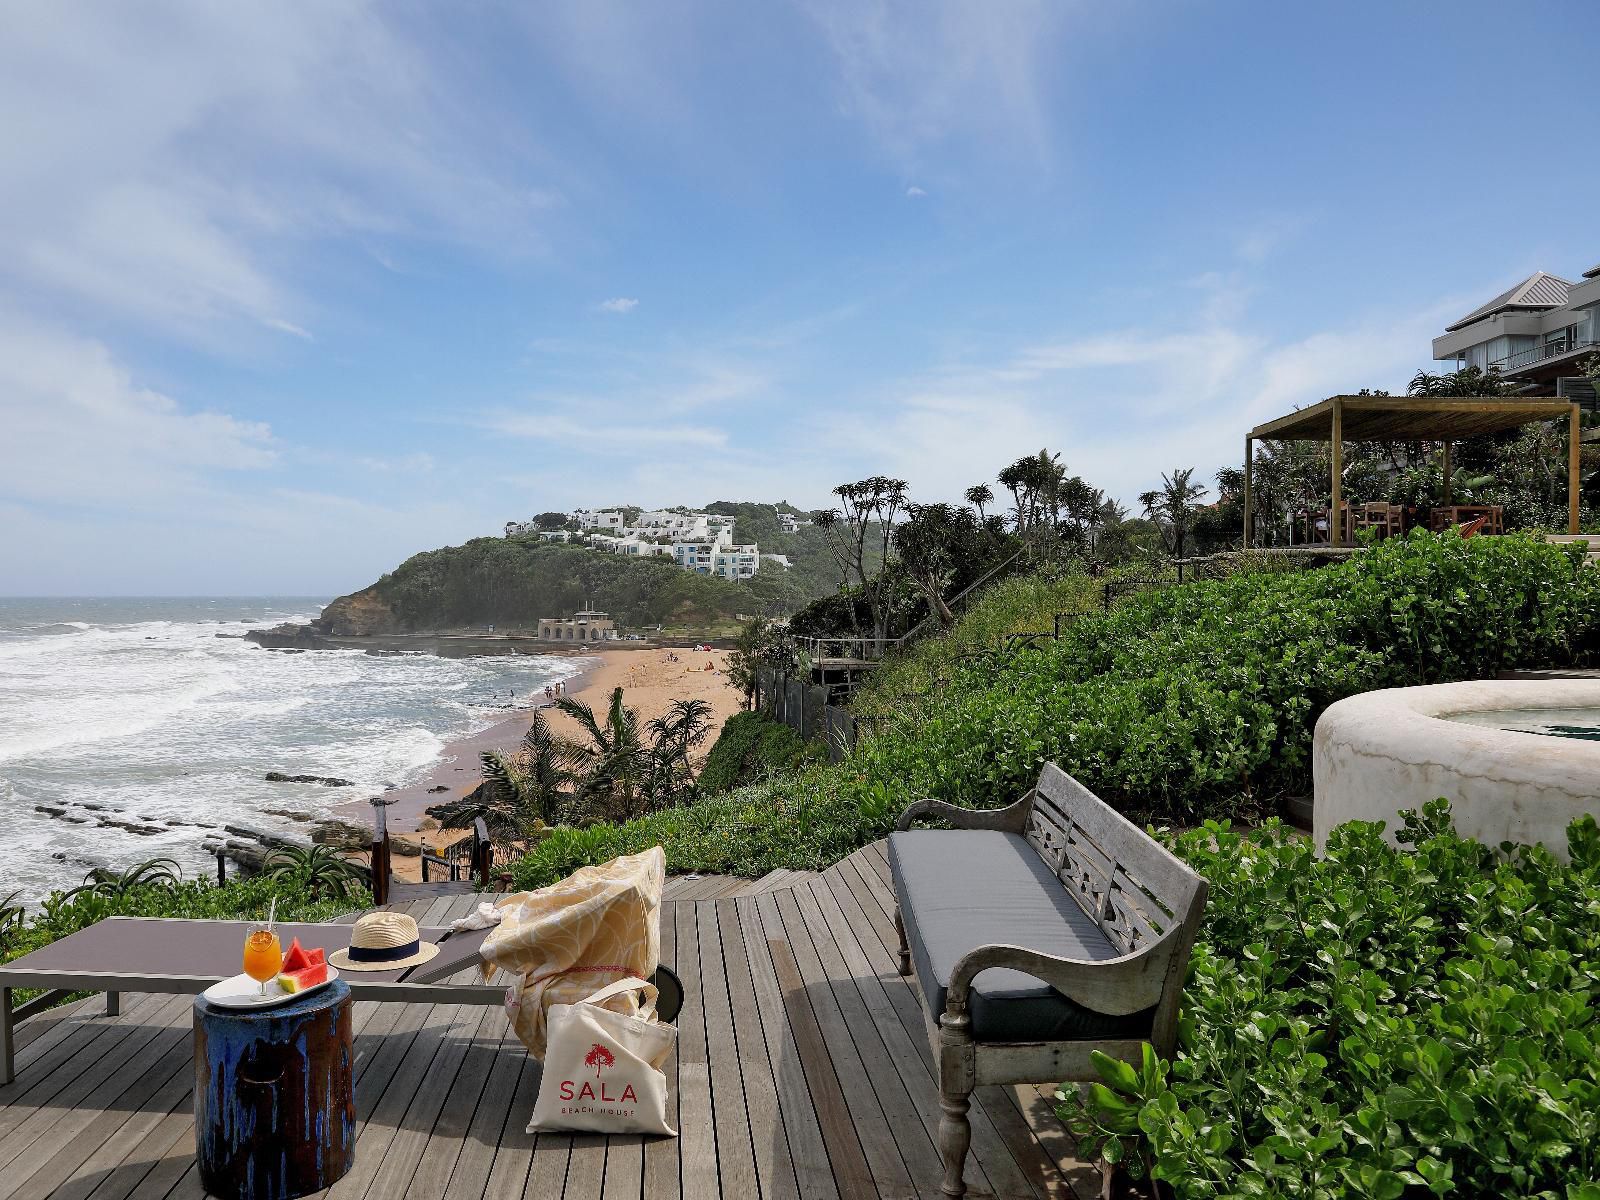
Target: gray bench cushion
{"x":960,"y":889}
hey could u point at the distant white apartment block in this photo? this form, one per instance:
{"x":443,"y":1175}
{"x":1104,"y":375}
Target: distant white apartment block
{"x":608,"y":519}
{"x":696,"y":541}
{"x":1535,"y":335}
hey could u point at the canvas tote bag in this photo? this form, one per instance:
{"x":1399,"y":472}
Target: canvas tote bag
{"x":602,"y":1069}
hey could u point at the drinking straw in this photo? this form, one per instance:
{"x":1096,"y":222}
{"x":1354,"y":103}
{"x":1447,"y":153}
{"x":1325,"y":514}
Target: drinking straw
{"x":272,"y":913}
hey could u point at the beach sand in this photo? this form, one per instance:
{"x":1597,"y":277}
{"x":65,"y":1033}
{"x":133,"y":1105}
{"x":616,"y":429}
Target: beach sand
{"x":650,"y":681}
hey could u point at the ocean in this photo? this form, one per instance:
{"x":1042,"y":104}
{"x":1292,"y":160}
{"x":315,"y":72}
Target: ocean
{"x":154,"y":713}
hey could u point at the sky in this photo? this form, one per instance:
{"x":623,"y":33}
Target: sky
{"x":291,"y":291}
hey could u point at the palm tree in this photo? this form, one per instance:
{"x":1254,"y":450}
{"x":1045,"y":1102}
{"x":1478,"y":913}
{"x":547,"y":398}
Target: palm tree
{"x":609,"y":769}
{"x":617,"y":772}
{"x":673,"y":737}
{"x":1172,"y":506}
{"x":979,"y":495}
{"x":519,"y":790}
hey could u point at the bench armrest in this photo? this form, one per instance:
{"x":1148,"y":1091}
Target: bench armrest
{"x":1113,"y":987}
{"x":1011,"y":819}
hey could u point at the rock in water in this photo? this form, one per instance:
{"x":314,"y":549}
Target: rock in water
{"x":324,"y":780}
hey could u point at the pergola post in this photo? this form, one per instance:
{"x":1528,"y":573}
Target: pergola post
{"x":1574,"y":449}
{"x":1249,"y":450}
{"x":1335,"y":515}
{"x":1446,"y":465}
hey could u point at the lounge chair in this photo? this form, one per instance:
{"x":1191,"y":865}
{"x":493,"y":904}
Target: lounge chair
{"x":184,"y":957}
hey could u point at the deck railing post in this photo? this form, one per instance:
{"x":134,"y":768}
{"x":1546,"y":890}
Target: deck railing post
{"x":380,"y":852}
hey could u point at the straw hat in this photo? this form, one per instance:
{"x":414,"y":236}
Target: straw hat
{"x":383,"y":941}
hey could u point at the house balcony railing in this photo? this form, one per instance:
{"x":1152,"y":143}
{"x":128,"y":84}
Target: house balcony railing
{"x":1533,"y":355}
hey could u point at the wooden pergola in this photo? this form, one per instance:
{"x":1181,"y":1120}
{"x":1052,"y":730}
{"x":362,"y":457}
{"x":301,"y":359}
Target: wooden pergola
{"x":1446,"y":419}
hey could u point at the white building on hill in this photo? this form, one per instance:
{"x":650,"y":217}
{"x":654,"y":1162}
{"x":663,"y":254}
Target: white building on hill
{"x":696,"y":541}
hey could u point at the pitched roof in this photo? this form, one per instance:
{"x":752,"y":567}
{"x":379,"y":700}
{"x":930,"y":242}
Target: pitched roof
{"x":1538,"y":291}
{"x":1592,"y":272}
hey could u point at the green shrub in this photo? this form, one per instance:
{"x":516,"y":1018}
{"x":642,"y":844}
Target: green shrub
{"x":1191,"y":701}
{"x":750,"y":748}
{"x":806,"y":822}
{"x":1376,"y":1022}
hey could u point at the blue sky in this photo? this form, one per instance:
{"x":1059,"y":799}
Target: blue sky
{"x":289,"y":292}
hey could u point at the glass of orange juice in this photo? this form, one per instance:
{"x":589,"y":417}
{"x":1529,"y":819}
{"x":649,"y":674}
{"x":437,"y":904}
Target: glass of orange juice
{"x":263,"y":956}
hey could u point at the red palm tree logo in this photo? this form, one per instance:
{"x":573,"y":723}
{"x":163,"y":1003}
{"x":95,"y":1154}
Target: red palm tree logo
{"x":599,"y":1058}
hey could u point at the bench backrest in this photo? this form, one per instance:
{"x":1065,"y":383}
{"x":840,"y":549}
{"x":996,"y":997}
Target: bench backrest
{"x":1131,"y":885}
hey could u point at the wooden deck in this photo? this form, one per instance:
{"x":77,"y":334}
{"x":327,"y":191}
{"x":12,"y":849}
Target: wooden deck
{"x":802,"y":1071}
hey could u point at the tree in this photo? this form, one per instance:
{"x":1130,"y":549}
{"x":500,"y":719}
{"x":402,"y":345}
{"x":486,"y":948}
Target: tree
{"x":866,"y":507}
{"x":979,"y":496}
{"x":1172,"y":506}
{"x":519,"y":791}
{"x":1468,"y":381}
{"x":933,"y":542}
{"x":1034,"y":482}
{"x":618,"y":775}
{"x":552,"y":520}
{"x":759,"y":644}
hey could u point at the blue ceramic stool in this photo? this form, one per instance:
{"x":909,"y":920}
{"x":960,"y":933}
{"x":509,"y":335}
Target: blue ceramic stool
{"x":274,"y":1098}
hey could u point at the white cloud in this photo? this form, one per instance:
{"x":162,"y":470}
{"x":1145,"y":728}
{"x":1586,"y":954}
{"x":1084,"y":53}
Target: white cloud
{"x":619,"y":304}
{"x":81,"y":433}
{"x":1123,"y":405}
{"x":915,"y":193}
{"x":170,"y":164}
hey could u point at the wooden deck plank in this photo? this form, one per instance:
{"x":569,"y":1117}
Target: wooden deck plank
{"x":904,"y":1034}
{"x":100,"y":1078}
{"x":696,"y":1128}
{"x":380,"y":1109}
{"x":852,"y":1171}
{"x":48,"y":1068}
{"x":866,"y":1026}
{"x":143,"y":1082}
{"x":774,"y":1166}
{"x":736,"y":1164}
{"x":497,"y":1128}
{"x":447,"y":1139}
{"x":661,"y":1167}
{"x":808,"y":1153}
{"x":404,"y":1153}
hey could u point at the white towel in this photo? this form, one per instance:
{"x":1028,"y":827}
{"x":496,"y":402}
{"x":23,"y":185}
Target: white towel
{"x":486,"y":917}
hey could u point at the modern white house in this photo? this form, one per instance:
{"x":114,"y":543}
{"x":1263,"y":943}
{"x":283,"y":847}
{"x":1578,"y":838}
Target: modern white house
{"x":607,"y":519}
{"x":1534,"y":334}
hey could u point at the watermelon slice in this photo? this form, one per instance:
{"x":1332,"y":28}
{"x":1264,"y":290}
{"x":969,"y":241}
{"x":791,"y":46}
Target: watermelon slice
{"x":299,"y":958}
{"x":306,"y":977}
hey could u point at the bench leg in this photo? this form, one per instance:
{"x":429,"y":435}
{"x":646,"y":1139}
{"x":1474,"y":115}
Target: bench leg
{"x":905,"y":951}
{"x":8,"y":1066}
{"x":113,"y":1003}
{"x":955,"y":1138}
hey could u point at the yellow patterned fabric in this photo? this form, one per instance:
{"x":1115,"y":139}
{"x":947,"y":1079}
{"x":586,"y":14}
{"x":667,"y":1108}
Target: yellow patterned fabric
{"x":566,"y":941}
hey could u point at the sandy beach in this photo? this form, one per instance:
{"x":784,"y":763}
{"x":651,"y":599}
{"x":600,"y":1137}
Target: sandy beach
{"x":650,"y":680}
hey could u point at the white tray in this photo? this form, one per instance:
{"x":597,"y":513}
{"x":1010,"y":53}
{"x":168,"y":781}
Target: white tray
{"x":243,"y":992}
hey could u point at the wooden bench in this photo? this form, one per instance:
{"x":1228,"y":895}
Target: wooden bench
{"x":1039,"y":932}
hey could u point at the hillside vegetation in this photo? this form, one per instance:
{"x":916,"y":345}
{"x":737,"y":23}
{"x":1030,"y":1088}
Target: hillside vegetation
{"x":512,"y":582}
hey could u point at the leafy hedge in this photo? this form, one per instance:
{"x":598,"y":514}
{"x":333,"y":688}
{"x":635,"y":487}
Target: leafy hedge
{"x":1377,"y":1022}
{"x":806,"y":822}
{"x":1187,"y":701}
{"x":750,"y":748}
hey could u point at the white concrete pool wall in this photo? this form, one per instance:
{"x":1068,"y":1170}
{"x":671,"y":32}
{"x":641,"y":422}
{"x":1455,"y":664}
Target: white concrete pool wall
{"x":1380,"y":752}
